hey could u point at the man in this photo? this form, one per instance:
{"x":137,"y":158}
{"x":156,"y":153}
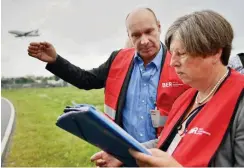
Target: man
{"x":237,"y":62}
{"x":138,"y":81}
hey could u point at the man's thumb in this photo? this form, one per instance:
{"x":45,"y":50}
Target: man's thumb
{"x":96,"y":156}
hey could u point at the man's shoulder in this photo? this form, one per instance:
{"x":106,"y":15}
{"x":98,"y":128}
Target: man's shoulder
{"x":123,"y":52}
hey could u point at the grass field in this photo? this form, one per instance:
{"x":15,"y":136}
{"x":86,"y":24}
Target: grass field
{"x":36,"y":140}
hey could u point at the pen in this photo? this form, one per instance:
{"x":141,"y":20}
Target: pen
{"x":155,"y":104}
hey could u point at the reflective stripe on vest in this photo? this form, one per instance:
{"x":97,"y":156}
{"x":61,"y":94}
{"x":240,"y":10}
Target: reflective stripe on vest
{"x":110,"y":112}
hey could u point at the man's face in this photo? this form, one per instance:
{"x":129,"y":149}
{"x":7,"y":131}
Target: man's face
{"x":144,"y":32}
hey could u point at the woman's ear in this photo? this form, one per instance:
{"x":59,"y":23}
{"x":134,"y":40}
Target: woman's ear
{"x":217,"y":56}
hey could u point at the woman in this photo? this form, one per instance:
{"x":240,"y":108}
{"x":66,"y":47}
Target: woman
{"x":205,"y":126}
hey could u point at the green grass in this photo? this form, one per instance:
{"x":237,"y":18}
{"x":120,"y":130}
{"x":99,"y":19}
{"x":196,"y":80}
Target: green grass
{"x":37,"y":141}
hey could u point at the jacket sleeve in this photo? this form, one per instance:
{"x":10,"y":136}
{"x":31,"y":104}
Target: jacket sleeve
{"x":238,"y":135}
{"x":83,"y":79}
{"x":231,"y":151}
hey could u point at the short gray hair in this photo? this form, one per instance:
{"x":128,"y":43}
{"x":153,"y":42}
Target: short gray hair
{"x":203,"y":33}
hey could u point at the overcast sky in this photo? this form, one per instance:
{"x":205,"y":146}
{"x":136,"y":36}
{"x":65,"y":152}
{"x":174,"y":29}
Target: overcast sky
{"x":86,"y":31}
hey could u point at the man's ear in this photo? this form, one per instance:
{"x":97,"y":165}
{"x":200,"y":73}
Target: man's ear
{"x":159,"y":26}
{"x":128,"y":33}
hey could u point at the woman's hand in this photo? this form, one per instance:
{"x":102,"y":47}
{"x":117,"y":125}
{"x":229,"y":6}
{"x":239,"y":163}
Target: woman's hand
{"x":157,"y":159}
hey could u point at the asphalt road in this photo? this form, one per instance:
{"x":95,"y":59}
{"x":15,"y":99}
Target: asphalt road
{"x":5,"y":116}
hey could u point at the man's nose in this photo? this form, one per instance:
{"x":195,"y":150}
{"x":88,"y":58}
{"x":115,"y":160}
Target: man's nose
{"x":144,"y":39}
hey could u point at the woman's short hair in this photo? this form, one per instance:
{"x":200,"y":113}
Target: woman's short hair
{"x":203,"y":33}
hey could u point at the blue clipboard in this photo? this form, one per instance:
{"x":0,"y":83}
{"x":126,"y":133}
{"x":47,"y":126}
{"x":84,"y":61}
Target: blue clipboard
{"x":95,"y":128}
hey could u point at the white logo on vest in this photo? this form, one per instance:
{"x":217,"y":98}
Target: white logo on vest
{"x":171,"y":84}
{"x":198,"y":131}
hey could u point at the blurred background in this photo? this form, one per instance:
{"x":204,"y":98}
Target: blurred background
{"x":87,"y":31}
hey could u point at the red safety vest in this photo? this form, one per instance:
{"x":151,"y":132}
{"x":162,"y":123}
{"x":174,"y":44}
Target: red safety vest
{"x":169,"y":87}
{"x":206,"y":131}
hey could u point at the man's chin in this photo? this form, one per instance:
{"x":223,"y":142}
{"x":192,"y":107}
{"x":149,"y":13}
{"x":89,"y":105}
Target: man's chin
{"x":148,"y":54}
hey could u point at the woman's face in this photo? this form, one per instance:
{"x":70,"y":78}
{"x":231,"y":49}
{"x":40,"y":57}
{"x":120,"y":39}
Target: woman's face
{"x":190,"y":69}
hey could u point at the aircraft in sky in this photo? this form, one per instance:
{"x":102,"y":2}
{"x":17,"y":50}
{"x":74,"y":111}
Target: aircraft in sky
{"x":24,"y":34}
